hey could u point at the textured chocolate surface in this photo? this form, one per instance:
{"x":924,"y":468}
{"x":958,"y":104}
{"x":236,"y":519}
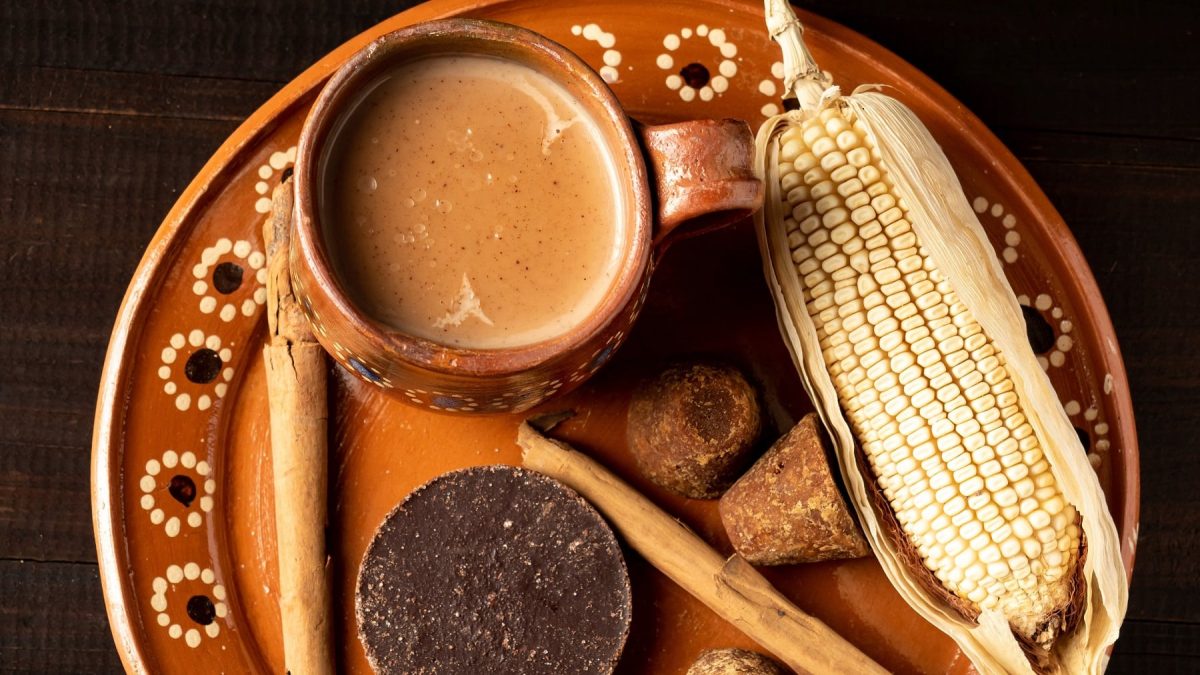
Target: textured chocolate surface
{"x":493,"y":570}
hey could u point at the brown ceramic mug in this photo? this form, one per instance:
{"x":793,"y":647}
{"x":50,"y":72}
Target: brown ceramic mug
{"x":697,"y":174}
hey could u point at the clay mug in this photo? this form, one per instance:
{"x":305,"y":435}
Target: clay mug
{"x":681,"y":179}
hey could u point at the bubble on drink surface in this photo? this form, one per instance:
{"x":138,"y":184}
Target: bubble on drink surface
{"x":419,"y":194}
{"x":443,"y":205}
{"x":512,"y":179}
{"x":409,"y":202}
{"x":374,"y":140}
{"x":368,"y":184}
{"x":460,"y":141}
{"x":476,"y":156}
{"x":489,"y":178}
{"x":419,"y":228}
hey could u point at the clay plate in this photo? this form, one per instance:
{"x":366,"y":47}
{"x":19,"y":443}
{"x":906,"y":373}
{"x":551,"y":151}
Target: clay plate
{"x":180,"y":473}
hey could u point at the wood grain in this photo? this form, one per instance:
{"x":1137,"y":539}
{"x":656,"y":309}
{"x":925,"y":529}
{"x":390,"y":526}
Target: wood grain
{"x":107,"y":110}
{"x":1157,"y":647}
{"x":1075,"y":66}
{"x":52,"y":619}
{"x":82,"y":195}
{"x":131,"y":94}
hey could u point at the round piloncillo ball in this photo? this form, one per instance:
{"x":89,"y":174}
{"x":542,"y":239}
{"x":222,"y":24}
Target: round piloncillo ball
{"x":733,"y":662}
{"x":692,"y":428}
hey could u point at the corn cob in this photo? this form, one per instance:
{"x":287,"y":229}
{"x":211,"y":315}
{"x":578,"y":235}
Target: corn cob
{"x":924,"y":388}
{"x":918,"y":361}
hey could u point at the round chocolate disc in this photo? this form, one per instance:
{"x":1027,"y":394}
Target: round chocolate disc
{"x":493,"y":569}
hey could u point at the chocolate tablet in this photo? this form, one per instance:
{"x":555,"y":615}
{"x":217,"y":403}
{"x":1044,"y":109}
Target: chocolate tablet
{"x":493,"y":569}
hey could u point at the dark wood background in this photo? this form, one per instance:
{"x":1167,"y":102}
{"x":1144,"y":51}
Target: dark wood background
{"x":107,"y":110}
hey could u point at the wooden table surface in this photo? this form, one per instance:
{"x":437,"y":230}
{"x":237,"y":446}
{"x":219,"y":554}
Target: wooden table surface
{"x":107,"y":110}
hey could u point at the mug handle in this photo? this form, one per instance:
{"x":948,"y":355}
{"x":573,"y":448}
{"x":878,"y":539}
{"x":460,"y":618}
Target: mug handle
{"x":702,"y":174}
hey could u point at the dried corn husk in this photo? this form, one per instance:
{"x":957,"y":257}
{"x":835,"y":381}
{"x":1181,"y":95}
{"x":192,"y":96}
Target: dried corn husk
{"x":948,"y":229}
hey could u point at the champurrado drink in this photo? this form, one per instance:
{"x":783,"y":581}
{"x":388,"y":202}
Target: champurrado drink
{"x":474,"y":202}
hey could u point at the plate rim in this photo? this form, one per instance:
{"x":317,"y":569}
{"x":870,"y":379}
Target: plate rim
{"x":108,"y":428}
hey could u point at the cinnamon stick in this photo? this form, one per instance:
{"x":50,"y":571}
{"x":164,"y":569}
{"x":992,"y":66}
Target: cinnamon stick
{"x":732,"y":588}
{"x":299,"y":415}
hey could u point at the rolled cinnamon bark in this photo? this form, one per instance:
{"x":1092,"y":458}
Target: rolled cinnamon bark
{"x":296,"y":395}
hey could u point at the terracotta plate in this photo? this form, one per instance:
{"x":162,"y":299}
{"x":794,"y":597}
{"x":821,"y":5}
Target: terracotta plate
{"x":183,"y":513}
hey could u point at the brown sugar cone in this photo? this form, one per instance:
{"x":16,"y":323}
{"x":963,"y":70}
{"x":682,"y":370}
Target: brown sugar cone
{"x":733,"y":662}
{"x":787,"y":508}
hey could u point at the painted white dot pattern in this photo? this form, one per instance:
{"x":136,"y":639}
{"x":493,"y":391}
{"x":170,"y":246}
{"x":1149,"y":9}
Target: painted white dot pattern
{"x":218,"y":292}
{"x":198,"y":583}
{"x":191,"y":475}
{"x":276,"y":163}
{"x":1012,"y":238}
{"x":611,"y":57}
{"x":173,"y":366}
{"x":768,"y":87}
{"x":1098,"y":433}
{"x":1063,"y":343}
{"x":726,"y":67}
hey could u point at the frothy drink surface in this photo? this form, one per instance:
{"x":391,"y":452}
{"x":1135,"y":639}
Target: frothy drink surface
{"x":474,"y":202}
